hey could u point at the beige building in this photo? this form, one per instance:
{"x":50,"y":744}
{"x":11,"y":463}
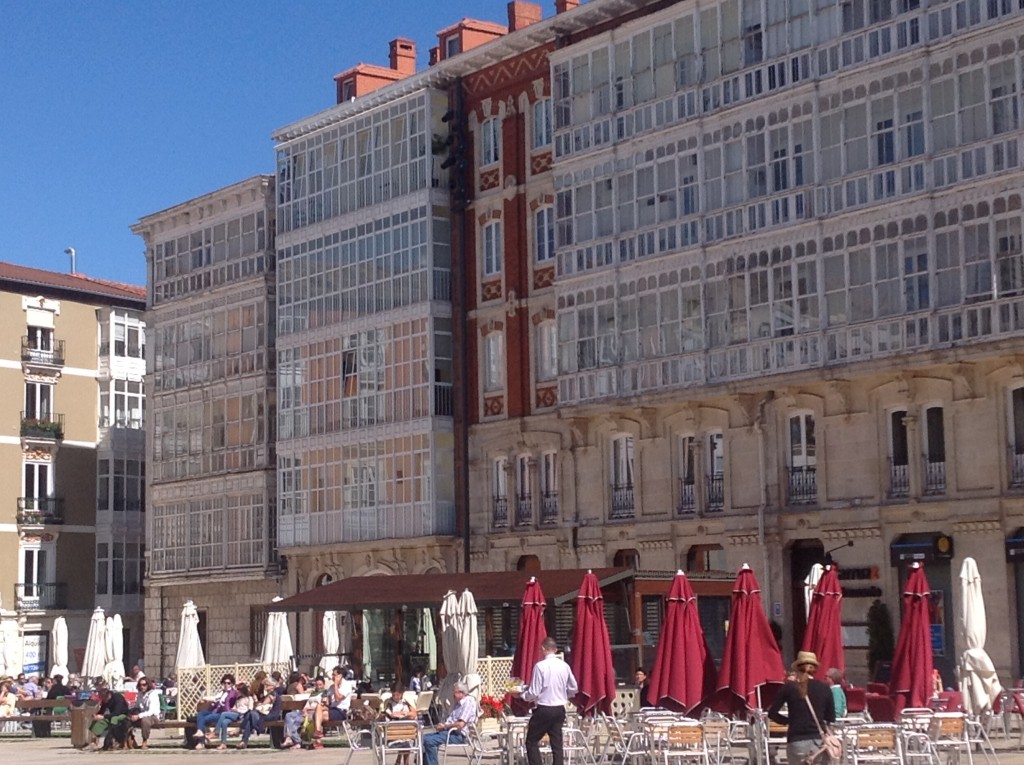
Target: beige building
{"x":787,"y":288}
{"x":71,"y":369}
{"x":210,"y":482}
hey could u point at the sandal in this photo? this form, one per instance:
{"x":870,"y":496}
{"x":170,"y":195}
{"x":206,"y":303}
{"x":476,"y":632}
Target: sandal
{"x":222,"y":746}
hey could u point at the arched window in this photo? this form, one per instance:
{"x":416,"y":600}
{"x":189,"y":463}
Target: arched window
{"x":627,"y":557}
{"x":529,"y":563}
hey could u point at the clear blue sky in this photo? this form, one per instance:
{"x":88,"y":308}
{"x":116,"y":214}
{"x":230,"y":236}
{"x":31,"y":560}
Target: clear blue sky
{"x":115,"y":110}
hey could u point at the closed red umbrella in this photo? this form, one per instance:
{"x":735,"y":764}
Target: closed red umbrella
{"x":911,"y":681}
{"x":591,"y":659}
{"x":683,"y":674}
{"x":531,"y":631}
{"x":751,"y":660}
{"x":824,"y":635}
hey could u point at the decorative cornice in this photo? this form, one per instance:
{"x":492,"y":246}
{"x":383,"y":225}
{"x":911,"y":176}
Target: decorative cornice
{"x":842,"y":534}
{"x":978,"y":527}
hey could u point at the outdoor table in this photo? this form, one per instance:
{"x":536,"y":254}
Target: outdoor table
{"x":514,"y":730}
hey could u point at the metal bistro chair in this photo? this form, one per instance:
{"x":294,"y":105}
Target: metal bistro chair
{"x":466,"y":746}
{"x":684,"y":742}
{"x":877,"y":744}
{"x":622,"y":744}
{"x":716,"y":738}
{"x":398,"y":737}
{"x":357,"y":739}
{"x":948,"y":732}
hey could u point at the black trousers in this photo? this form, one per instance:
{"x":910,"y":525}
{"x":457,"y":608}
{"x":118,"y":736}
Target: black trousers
{"x":545,"y":721}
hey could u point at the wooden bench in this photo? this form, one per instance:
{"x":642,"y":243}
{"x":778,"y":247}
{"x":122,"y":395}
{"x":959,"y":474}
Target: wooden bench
{"x":40,"y":710}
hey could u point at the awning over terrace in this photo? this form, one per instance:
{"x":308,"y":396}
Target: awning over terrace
{"x":491,"y":588}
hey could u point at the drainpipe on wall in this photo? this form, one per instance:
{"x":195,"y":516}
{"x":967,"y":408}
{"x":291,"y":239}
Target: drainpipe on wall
{"x":458,"y":199}
{"x":766,"y":580}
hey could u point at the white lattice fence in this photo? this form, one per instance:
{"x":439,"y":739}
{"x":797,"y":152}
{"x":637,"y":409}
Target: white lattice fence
{"x":196,"y":683}
{"x":495,"y":672}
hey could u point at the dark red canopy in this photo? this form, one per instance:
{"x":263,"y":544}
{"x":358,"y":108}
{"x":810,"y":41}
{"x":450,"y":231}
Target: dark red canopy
{"x":591,"y":651}
{"x":824,"y":635}
{"x":531,"y":631}
{"x":911,"y":681}
{"x":683,"y":674}
{"x":751,"y":659}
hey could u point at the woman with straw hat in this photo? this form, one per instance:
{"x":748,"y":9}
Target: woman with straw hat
{"x":809,"y":709}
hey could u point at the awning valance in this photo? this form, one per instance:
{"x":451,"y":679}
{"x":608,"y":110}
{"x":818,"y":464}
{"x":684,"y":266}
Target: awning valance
{"x":490,"y":588}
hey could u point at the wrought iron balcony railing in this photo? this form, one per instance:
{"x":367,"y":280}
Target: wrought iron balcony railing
{"x":499,"y":518}
{"x":1016,"y":461}
{"x":549,"y":508}
{"x":49,"y":352}
{"x":43,"y":426}
{"x":934,"y":477}
{"x":803,"y":485}
{"x":622,"y":502}
{"x":899,"y":480}
{"x":687,"y":504}
{"x":524,"y":510}
{"x":716,"y":492}
{"x":36,"y":597}
{"x":39,"y":511}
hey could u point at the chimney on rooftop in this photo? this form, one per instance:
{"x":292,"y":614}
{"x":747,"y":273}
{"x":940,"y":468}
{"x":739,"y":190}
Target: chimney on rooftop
{"x":561,"y":6}
{"x":403,"y":56}
{"x":522,"y":14}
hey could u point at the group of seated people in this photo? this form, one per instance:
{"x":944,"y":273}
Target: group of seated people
{"x":250,"y":706}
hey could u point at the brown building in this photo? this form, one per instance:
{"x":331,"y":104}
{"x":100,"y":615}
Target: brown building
{"x":71,"y":371}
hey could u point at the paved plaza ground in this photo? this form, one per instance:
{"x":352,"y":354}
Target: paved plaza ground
{"x":165,"y":749}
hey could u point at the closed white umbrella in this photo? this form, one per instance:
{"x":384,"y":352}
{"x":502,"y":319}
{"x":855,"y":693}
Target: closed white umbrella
{"x":331,"y":641}
{"x":978,"y":682}
{"x":113,"y":671}
{"x":469,"y":643}
{"x":277,"y":642}
{"x":190,"y":649}
{"x":95,"y":660}
{"x":11,"y":646}
{"x":810,"y":582}
{"x":450,"y":649}
{"x":59,"y":636}
{"x":344,"y":635}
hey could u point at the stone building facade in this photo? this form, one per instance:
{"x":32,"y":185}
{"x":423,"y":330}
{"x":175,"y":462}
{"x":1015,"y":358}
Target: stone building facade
{"x":786,"y":300}
{"x":210,"y":445}
{"x":71,"y":370}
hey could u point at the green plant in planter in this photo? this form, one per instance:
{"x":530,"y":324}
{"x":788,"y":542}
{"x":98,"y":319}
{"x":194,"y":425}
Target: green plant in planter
{"x":46,"y":428}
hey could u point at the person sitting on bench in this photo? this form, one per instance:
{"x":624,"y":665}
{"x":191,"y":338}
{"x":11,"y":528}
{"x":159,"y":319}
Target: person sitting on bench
{"x":111,"y":721}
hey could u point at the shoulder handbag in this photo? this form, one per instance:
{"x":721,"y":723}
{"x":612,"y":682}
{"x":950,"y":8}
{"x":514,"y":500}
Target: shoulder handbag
{"x":830,"y":744}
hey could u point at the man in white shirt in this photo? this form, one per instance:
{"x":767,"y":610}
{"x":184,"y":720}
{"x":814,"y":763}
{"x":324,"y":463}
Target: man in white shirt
{"x":552,"y":686}
{"x":452,"y":730}
{"x":339,"y":695}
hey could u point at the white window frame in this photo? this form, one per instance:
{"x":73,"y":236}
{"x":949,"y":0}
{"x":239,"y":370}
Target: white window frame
{"x":547,"y":350}
{"x":548,"y":474}
{"x":492,"y":248}
{"x":39,"y":559}
{"x":687,"y":465}
{"x":623,"y":463}
{"x":544,"y":234}
{"x":808,"y":455}
{"x":524,"y":481}
{"x":41,"y":397}
{"x":1017,"y":445}
{"x":490,"y":141}
{"x":494,"y":361}
{"x":41,"y":484}
{"x":452,"y":45}
{"x":499,"y":478}
{"x":542,"y":123}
